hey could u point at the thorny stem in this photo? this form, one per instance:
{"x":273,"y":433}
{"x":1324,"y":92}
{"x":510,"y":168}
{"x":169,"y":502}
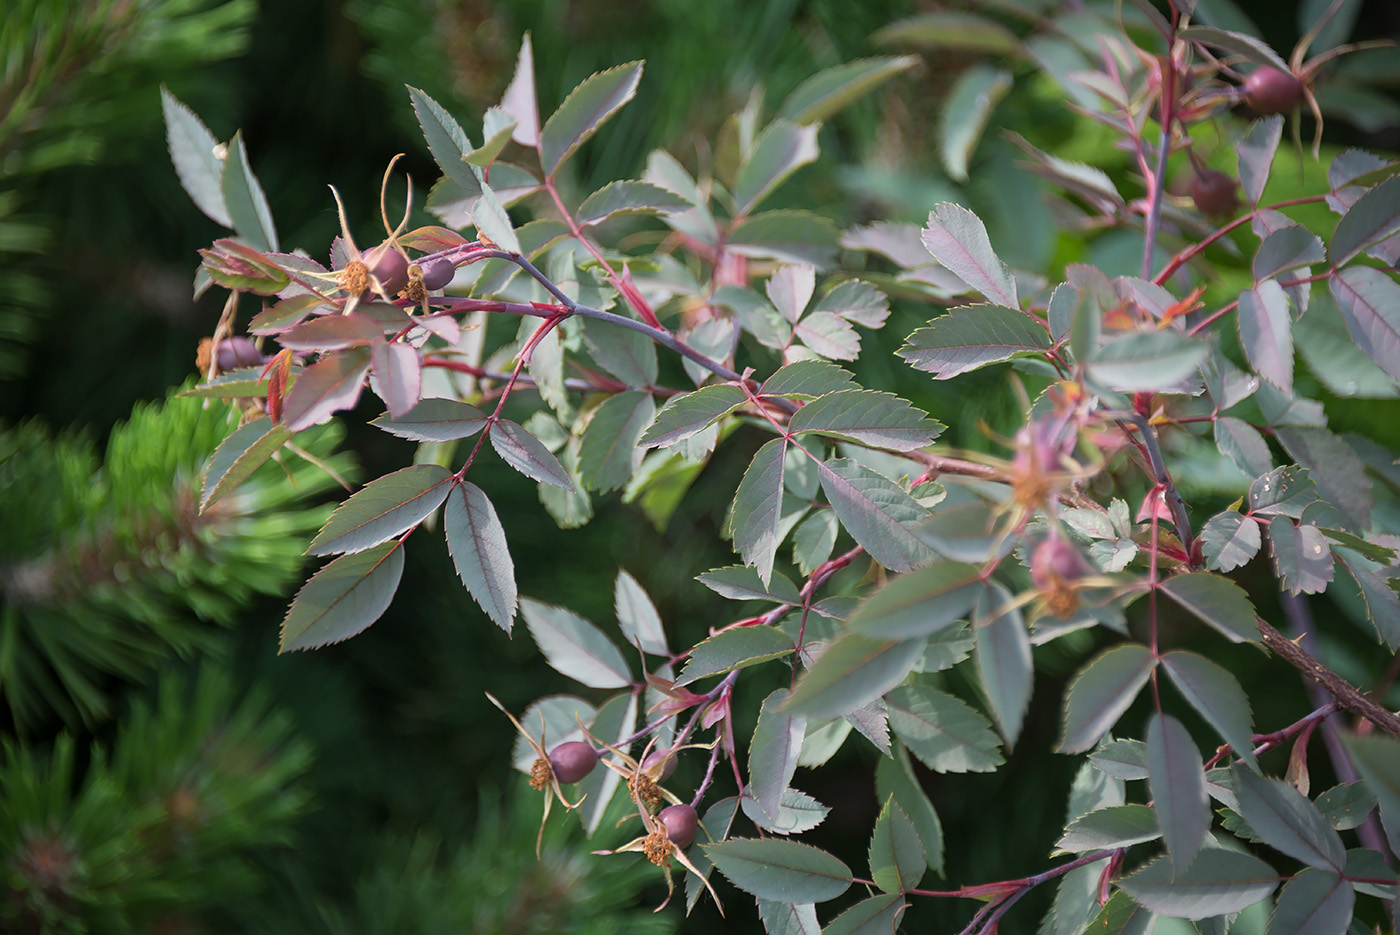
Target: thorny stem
{"x":1300,"y":618}
{"x":1346,"y":694}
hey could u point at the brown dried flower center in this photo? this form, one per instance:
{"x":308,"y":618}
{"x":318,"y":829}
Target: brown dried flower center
{"x":540,"y":774}
{"x":645,"y":791}
{"x":355,"y":279}
{"x":1061,"y":598}
{"x":657,"y":848}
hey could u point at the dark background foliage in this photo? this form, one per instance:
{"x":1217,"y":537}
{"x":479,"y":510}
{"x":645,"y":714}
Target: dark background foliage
{"x":403,"y":786}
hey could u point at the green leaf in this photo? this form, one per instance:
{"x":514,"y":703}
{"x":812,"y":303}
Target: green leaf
{"x":1003,"y":658}
{"x":877,"y":513}
{"x":1381,"y":601}
{"x":833,"y":89}
{"x":1241,"y":443}
{"x":627,"y":197}
{"x":1239,"y":43}
{"x":447,"y":141}
{"x":245,"y":450}
{"x":877,"y":915}
{"x":1372,"y":218}
{"x":479,"y":551}
{"x":894,"y":779}
{"x":780,"y":150}
{"x":343,"y":598}
{"x":958,"y":240}
{"x":1369,"y":301}
{"x":519,"y":101}
{"x":1121,"y":759}
{"x":1121,"y":916}
{"x":943,"y":732}
{"x":1256,"y":151}
{"x":791,"y":236}
{"x":1287,"y":248}
{"x":236,"y":384}
{"x":715,"y":824}
{"x":973,"y":336}
{"x":1101,"y":692}
{"x":852,"y":672}
{"x":1286,"y":490}
{"x":807,"y":379}
{"x":331,"y":384}
{"x":434,"y":420}
{"x":878,"y":420}
{"x":1178,"y":785}
{"x":1217,"y":697}
{"x":1302,"y":556}
{"x":383,"y":509}
{"x":1315,"y":902}
{"x":813,"y":540}
{"x":398,"y":375}
{"x":245,"y":201}
{"x":1217,"y":882}
{"x":622,"y":352}
{"x":738,"y":648}
{"x":856,"y":301}
{"x":689,"y":414}
{"x":609,"y":452}
{"x":741,"y":583}
{"x":1115,"y":826}
{"x":950,"y":29}
{"x":1266,"y":333}
{"x":332,"y":333}
{"x":1146,"y":360}
{"x":784,"y":871}
{"x":497,"y":129}
{"x":798,"y":812}
{"x":1377,"y":759}
{"x":192,"y":150}
{"x":897,"y":860}
{"x":1346,"y":805}
{"x":1364,"y":862}
{"x":637,"y":616}
{"x":574,"y":647}
{"x":1339,"y":473}
{"x":1286,"y":820}
{"x":773,"y":752}
{"x":829,"y":335}
{"x":1229,"y":540}
{"x":584,"y":110}
{"x":965,"y":112}
{"x":528,"y":455}
{"x":757,"y":509}
{"x":919,"y":603}
{"x":785,"y":918}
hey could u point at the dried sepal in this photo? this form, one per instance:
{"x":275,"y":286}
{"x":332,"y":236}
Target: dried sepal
{"x":542,"y":777}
